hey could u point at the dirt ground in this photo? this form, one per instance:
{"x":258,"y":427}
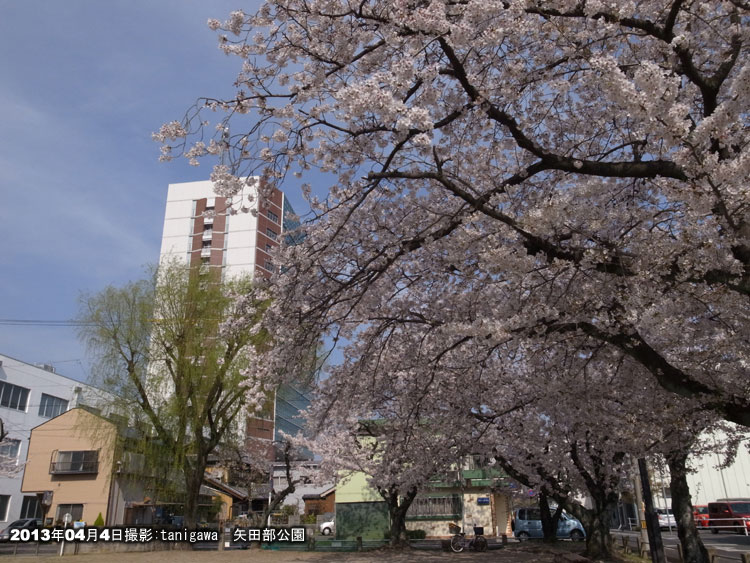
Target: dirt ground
{"x":514,"y":554}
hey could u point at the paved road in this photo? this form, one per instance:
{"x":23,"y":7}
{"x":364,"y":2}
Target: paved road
{"x":729,"y":546}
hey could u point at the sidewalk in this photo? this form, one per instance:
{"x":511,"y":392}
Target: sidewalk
{"x":511,"y":554}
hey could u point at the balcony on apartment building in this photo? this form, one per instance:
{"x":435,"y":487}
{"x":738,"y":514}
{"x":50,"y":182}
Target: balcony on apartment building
{"x":75,"y":463}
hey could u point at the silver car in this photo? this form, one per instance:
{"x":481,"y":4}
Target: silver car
{"x":666,"y":518}
{"x":22,"y":524}
{"x":527,"y":524}
{"x":327,"y":528}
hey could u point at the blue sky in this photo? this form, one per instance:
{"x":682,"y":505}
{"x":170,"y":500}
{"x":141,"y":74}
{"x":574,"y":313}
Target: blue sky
{"x":83,"y":84}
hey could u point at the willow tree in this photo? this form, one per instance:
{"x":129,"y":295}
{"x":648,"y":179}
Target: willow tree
{"x":178,"y":349}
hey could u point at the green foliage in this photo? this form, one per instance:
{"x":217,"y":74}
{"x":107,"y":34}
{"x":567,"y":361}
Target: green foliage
{"x":99,"y":520}
{"x":173,"y":348}
{"x":289,"y":510}
{"x":309,"y":519}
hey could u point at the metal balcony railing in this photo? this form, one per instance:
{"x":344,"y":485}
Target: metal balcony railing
{"x":73,"y":467}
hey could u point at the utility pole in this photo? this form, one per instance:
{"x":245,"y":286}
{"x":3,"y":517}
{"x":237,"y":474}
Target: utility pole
{"x":656,"y":546}
{"x":639,"y":506}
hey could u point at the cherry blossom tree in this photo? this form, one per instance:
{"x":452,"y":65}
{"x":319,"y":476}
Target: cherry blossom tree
{"x":250,"y":464}
{"x":9,"y":465}
{"x":388,"y":427}
{"x":511,"y":176}
{"x":591,"y":155}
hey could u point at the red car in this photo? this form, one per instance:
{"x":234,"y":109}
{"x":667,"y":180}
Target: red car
{"x":700,"y":515}
{"x":732,"y":515}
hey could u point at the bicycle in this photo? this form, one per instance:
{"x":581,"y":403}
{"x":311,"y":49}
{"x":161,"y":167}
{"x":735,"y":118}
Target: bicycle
{"x":459,"y":541}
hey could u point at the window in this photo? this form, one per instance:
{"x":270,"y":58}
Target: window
{"x":206,"y":244}
{"x":31,"y":508}
{"x":9,"y":449}
{"x":268,"y":265}
{"x":4,"y":502}
{"x":85,"y":461}
{"x":52,"y":406}
{"x":272,"y":216}
{"x":13,"y":396}
{"x":431,"y":508}
{"x":75,"y":510}
{"x":269,"y":247}
{"x":271,"y":233}
{"x":530,"y":514}
{"x":279,"y":482}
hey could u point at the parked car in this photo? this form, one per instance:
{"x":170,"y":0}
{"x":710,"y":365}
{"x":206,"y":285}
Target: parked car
{"x":327,"y":528}
{"x":23,"y":523}
{"x":700,"y":515}
{"x":729,"y":515}
{"x":527,"y":523}
{"x":666,"y":518}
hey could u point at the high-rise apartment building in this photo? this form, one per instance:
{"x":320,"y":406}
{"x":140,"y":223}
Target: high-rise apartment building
{"x":238,"y":236}
{"x":203,"y":228}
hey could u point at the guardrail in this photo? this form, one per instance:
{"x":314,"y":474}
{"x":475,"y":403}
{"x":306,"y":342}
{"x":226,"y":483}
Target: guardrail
{"x":733,"y":523}
{"x":673,"y":553}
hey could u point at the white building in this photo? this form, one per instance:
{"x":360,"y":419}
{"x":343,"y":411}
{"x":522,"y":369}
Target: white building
{"x":29,"y":396}
{"x":711,"y":481}
{"x":305,"y":474}
{"x":200,"y":228}
{"x":237,"y":235}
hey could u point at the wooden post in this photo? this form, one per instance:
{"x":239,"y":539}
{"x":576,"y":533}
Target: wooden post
{"x":505,"y":539}
{"x":711,"y":555}
{"x":680,"y":555}
{"x":746,"y":558}
{"x":311,"y":544}
{"x":359,"y":543}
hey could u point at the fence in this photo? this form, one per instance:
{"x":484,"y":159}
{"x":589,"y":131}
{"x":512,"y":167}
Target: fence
{"x":741,"y":525}
{"x":673,"y":553}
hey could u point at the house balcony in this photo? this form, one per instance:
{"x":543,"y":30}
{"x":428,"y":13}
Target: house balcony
{"x":73,"y":467}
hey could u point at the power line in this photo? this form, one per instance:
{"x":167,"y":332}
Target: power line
{"x":40,"y":322}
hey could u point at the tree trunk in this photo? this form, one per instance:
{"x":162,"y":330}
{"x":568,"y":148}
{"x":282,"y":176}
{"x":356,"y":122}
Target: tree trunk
{"x":693,"y":550}
{"x":596,"y":521}
{"x":397,"y":509}
{"x":549,"y":520}
{"x":194,"y":473}
{"x":598,"y":539}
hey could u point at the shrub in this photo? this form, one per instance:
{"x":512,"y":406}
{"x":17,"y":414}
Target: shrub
{"x":99,"y":520}
{"x":289,"y":509}
{"x":309,"y":519}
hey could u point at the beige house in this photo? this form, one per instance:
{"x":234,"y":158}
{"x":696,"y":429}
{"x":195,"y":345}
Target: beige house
{"x":77,"y":465}
{"x":69,"y":466}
